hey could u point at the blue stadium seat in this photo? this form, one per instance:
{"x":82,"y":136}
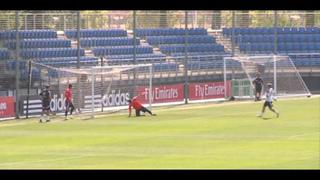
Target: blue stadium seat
{"x":309,"y":30}
{"x":50,"y":52}
{"x":170,"y":31}
{"x":302,"y":30}
{"x":23,"y":34}
{"x":72,"y":33}
{"x":295,"y":38}
{"x":11,"y":65}
{"x":264,"y":31}
{"x":101,"y":51}
{"x":302,"y":47}
{"x":113,"y":41}
{"x":4,"y":54}
{"x":194,"y":39}
{"x":296,"y":47}
{"x":294,"y":30}
{"x":226,"y":31}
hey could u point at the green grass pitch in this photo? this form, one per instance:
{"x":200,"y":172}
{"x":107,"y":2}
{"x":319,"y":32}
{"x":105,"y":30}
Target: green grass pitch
{"x":195,"y":136}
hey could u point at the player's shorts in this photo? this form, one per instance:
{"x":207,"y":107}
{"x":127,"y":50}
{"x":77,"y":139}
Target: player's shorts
{"x":143,"y":109}
{"x":258,"y":89}
{"x":269,"y":104}
{"x":46,"y":105}
{"x":69,"y":104}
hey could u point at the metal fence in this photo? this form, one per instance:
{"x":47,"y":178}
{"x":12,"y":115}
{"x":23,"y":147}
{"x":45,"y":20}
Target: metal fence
{"x":14,"y":83}
{"x":62,"y":20}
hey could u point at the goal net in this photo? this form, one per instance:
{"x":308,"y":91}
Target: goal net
{"x":278,"y":70}
{"x":96,"y":90}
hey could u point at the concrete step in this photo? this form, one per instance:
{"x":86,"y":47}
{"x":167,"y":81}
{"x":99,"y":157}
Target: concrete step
{"x":61,"y":35}
{"x":156,"y":50}
{"x":226,"y":42}
{"x":74,"y":44}
{"x":143,"y":42}
{"x":88,"y":53}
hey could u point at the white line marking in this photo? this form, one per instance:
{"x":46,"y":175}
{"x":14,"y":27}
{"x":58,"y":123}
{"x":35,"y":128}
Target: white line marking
{"x":47,"y":160}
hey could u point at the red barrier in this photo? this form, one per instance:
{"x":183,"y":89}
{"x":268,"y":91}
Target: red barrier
{"x":209,"y":90}
{"x":162,"y":94}
{"x":6,"y":107}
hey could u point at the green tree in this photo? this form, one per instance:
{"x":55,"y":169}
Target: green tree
{"x":216,"y":20}
{"x":310,"y":18}
{"x":262,"y":18}
{"x":243,"y":19}
{"x":163,"y":19}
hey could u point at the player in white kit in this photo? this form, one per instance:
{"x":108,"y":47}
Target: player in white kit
{"x":268,"y":102}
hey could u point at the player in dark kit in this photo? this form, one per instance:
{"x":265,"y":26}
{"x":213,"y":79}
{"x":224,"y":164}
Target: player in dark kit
{"x":46,"y":98}
{"x":69,"y":104}
{"x":136,"y":104}
{"x":258,"y":83}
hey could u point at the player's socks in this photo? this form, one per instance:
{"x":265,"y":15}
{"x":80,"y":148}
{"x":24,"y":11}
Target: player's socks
{"x":44,"y":118}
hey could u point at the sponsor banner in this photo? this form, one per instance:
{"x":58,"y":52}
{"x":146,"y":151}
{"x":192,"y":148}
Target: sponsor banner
{"x":57,"y":104}
{"x":6,"y":107}
{"x":161,"y":94}
{"x":208,"y":90}
{"x":113,"y":99}
{"x":117,"y":97}
{"x":35,"y":105}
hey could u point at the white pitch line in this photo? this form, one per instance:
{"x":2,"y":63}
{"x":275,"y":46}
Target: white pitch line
{"x":47,"y":160}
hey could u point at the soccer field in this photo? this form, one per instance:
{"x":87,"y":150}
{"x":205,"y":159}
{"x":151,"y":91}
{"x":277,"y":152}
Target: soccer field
{"x":196,"y":136}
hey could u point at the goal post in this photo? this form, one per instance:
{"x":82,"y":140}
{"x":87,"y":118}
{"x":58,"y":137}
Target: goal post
{"x":121,"y":77}
{"x":275,"y":69}
{"x":102,"y":89}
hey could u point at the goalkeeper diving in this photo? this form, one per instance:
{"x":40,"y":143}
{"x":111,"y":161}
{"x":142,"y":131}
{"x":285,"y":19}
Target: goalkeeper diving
{"x":136,"y":104}
{"x":268,"y":102}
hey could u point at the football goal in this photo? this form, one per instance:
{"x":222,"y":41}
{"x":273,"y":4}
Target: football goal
{"x":278,"y":70}
{"x":96,"y":89}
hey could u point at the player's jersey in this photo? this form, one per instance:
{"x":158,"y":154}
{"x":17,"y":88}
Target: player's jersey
{"x":269,"y":95}
{"x":135,"y":103}
{"x":258,"y":82}
{"x":45,"y":96}
{"x":68,"y":94}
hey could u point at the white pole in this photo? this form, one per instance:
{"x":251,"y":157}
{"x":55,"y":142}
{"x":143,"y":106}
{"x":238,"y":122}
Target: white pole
{"x":225,"y":77}
{"x":299,"y":76}
{"x":150,"y":87}
{"x":275,"y":74}
{"x":92,"y":93}
{"x":239,"y":88}
{"x":196,"y":18}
